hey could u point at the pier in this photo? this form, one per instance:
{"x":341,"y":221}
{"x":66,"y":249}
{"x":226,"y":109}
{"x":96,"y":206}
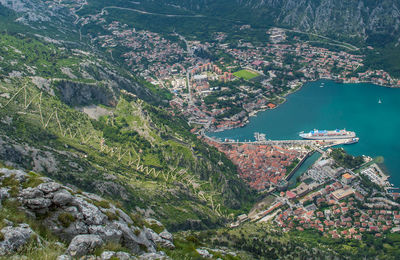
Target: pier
{"x":318,"y":145}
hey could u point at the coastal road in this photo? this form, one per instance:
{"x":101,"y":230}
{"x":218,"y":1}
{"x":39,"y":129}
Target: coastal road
{"x":337,"y":43}
{"x":150,"y":13}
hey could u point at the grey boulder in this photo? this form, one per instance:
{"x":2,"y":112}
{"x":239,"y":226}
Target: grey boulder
{"x":107,"y":233}
{"x":160,"y":241}
{"x":62,"y":198}
{"x":83,"y":245}
{"x":91,"y":214}
{"x":14,"y":238}
{"x":48,"y":187}
{"x":153,"y":256}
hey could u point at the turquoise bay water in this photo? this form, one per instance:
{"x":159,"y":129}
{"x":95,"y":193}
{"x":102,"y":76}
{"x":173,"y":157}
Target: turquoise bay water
{"x":303,"y":168}
{"x":335,"y":105}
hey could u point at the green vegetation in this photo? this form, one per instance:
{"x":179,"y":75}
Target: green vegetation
{"x":138,"y":153}
{"x":111,"y":215}
{"x":102,"y":203}
{"x":264,"y":241}
{"x":33,"y":180}
{"x":137,"y":220}
{"x":245,"y":74}
{"x":186,"y":245}
{"x":154,"y":226}
{"x":261,"y":241}
{"x":369,"y":247}
{"x":290,"y":168}
{"x":346,"y":160}
{"x":110,"y":246}
{"x":34,"y":249}
{"x":384,"y":58}
{"x":66,"y":219}
{"x":145,"y":151}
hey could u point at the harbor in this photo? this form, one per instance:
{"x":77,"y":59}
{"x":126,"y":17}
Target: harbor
{"x":336,"y":105}
{"x":270,"y":164}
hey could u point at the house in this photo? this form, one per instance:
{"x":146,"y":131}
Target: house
{"x":347,"y":178}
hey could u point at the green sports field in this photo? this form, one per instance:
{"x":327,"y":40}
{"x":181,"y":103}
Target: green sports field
{"x":245,"y":74}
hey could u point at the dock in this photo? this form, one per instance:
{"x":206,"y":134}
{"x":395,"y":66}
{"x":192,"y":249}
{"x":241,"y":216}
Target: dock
{"x":316,"y":144}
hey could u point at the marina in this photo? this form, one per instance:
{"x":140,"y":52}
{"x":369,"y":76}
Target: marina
{"x":337,"y":105}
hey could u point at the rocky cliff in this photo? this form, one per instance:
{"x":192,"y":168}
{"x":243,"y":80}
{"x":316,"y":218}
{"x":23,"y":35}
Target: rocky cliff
{"x":35,"y":207}
{"x":360,"y":18}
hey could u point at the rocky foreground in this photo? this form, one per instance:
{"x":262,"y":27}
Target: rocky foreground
{"x":87,"y":225}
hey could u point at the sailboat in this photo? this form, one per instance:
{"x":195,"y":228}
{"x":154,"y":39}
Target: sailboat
{"x":379,"y":101}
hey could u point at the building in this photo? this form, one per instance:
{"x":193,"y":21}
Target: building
{"x":347,"y":178}
{"x":301,"y":190}
{"x":342,"y":193}
{"x":200,"y":78}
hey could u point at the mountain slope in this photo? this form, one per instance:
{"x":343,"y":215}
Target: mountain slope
{"x":360,"y":19}
{"x":127,"y":150}
{"x":40,"y":218}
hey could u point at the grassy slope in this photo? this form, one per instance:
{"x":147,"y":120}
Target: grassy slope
{"x":186,"y":183}
{"x":265,"y":241}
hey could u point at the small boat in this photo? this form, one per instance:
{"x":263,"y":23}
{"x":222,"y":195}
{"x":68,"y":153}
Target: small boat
{"x":379,"y":101}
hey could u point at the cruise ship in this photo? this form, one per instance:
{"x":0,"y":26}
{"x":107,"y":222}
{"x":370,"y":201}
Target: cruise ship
{"x":327,"y":134}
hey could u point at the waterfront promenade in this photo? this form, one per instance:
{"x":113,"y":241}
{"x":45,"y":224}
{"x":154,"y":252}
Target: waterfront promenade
{"x":316,"y":144}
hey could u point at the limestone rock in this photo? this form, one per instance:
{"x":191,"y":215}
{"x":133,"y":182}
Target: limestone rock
{"x":31,"y":193}
{"x":107,"y":233}
{"x":14,"y":238}
{"x":152,"y":221}
{"x":64,"y":257}
{"x":62,"y":198}
{"x":124,"y":216}
{"x":48,"y":187}
{"x":84,"y":244}
{"x":106,"y":255}
{"x":74,"y":229}
{"x":123,"y":256}
{"x":132,"y":240}
{"x":166,"y":235}
{"x":159,"y":241}
{"x":75,"y":218}
{"x":153,"y":256}
{"x":4,"y":193}
{"x":37,"y":203}
{"x":204,"y":253}
{"x":18,"y":174}
{"x":91,"y":214}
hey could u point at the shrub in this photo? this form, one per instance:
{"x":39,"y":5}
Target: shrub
{"x":66,"y":219}
{"x":10,"y":181}
{"x":156,"y":228}
{"x":12,"y":211}
{"x":102,"y":204}
{"x":193,"y":239}
{"x":32,"y":181}
{"x":14,"y":190}
{"x":137,"y":232}
{"x":143,"y":247}
{"x":110,"y":246}
{"x":137,"y":220}
{"x":111,"y":216}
